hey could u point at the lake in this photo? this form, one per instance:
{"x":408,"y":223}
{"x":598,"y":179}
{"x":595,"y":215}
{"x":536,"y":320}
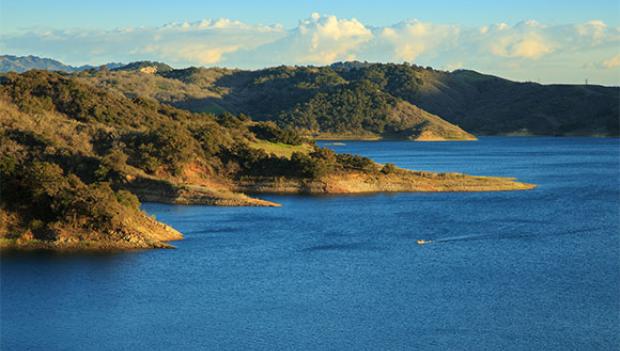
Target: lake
{"x":528,"y":270}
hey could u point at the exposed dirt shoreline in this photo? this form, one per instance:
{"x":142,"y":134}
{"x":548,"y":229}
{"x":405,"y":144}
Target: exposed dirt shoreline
{"x":144,"y":232}
{"x":424,"y":136}
{"x":363,"y":183}
{"x":139,"y":231}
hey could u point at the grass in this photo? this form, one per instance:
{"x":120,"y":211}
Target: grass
{"x":280,"y":149}
{"x":12,"y":243}
{"x":7,"y":241}
{"x":346,"y":136}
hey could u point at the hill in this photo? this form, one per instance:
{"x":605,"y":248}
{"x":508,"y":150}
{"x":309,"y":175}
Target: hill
{"x":145,"y":67}
{"x":315,"y":101}
{"x":19,"y":64}
{"x":490,"y":105}
{"x":363,"y":100}
{"x":76,"y":160}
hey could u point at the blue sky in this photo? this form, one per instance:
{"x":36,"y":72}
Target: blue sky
{"x":89,"y":14}
{"x":546,"y":41}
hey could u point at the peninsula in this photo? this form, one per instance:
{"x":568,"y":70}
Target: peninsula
{"x":76,"y":159}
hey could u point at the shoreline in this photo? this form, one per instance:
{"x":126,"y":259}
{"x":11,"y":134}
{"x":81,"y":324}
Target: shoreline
{"x":346,"y":137}
{"x":520,"y":135}
{"x":508,"y":135}
{"x":144,"y":232}
{"x":402,"y":181}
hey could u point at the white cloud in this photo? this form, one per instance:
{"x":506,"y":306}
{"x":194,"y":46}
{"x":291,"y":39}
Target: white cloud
{"x":612,"y":62}
{"x":199,"y":43}
{"x":594,"y":30}
{"x":531,"y":46}
{"x":410,"y":39}
{"x":509,"y":50}
{"x":526,"y":40}
{"x":325,"y":39}
{"x":201,"y":54}
{"x":317,"y":40}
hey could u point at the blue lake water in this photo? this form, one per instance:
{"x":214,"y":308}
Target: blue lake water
{"x":533,"y":270}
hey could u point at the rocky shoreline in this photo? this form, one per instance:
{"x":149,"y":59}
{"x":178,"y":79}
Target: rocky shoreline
{"x":141,"y":231}
{"x":138,"y":231}
{"x":401,"y":181}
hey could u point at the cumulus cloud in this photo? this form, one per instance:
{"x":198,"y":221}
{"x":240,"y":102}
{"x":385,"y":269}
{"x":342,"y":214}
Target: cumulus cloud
{"x":316,"y":40}
{"x":593,"y":30}
{"x":612,"y":62}
{"x":505,"y":49}
{"x":527,"y":40}
{"x":326,"y":39}
{"x":408,"y":40}
{"x":531,"y":46}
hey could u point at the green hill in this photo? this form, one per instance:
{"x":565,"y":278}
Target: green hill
{"x":491,"y":105}
{"x":363,"y":100}
{"x":357,"y":99}
{"x":315,"y":100}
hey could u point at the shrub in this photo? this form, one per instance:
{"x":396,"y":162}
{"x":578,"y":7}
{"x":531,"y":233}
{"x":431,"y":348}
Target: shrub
{"x":127,"y":199}
{"x":169,"y":146}
{"x":115,"y":159}
{"x":245,"y":160}
{"x":228,"y":120}
{"x":271,"y":132}
{"x":8,"y":164}
{"x":211,"y":137}
{"x":307,"y":166}
{"x":388,"y":168}
{"x":53,"y":196}
{"x":324,"y":154}
{"x":91,"y":206}
{"x":36,"y":224}
{"x":355,"y":162}
{"x":102,"y":173}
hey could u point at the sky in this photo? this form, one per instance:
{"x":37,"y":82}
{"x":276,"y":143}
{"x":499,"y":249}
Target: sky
{"x":543,"y":41}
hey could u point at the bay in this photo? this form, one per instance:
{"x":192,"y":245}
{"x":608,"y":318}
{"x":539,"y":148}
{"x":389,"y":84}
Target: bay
{"x":524,"y":270}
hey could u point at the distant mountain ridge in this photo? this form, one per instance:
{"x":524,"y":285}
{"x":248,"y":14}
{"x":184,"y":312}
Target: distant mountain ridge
{"x":19,"y":64}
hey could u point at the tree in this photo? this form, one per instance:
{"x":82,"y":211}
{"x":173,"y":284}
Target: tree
{"x":388,"y":168}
